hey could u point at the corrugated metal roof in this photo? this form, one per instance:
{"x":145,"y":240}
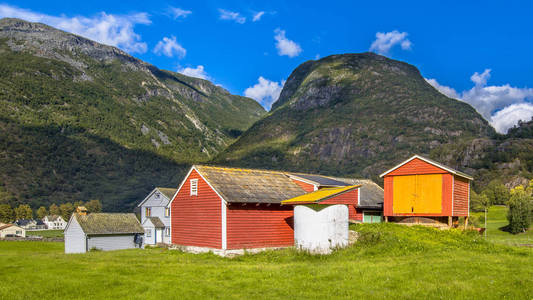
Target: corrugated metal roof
{"x":372,"y":194}
{"x":109,"y":223}
{"x":250,"y":186}
{"x":320,"y":180}
{"x":320,"y":195}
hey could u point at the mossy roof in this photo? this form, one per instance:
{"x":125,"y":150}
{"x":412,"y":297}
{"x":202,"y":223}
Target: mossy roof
{"x":320,"y":195}
{"x":168,"y":192}
{"x":249,"y":185}
{"x":109,"y":223}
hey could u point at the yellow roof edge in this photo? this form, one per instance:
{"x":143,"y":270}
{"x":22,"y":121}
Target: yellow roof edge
{"x":319,"y":195}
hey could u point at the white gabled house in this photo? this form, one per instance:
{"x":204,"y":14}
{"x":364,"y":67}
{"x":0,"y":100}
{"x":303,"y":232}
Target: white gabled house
{"x":54,"y":222}
{"x":155,"y":215}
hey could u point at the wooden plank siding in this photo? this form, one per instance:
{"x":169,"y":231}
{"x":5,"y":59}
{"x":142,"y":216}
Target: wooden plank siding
{"x":417,"y":166}
{"x":261,"y":226}
{"x":348,"y":198}
{"x":197,"y":220}
{"x":461,"y":191}
{"x":304,"y":185}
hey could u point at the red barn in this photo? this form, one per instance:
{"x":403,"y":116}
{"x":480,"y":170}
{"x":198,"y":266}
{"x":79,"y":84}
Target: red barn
{"x":231,"y":208}
{"x":420,"y":190}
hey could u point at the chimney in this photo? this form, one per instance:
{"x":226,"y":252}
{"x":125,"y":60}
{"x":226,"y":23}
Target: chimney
{"x":81,"y":210}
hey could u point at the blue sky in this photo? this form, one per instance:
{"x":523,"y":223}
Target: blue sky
{"x":476,"y":51}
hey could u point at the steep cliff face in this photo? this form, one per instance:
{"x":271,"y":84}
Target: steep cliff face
{"x":82,"y":120}
{"x":357,"y":114}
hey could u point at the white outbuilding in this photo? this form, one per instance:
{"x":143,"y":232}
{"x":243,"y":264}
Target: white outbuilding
{"x":321,"y":219}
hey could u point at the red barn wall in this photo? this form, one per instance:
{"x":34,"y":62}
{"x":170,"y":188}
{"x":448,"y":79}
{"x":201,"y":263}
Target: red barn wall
{"x":349,"y":198}
{"x":461,"y":190}
{"x":262,"y":226}
{"x":196,"y":220}
{"x":304,"y":185}
{"x":417,"y":166}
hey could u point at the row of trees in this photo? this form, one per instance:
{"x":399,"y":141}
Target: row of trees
{"x":65,"y":210}
{"x":519,"y":201}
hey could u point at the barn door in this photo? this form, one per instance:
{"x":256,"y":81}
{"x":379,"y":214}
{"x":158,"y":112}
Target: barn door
{"x":417,"y":194}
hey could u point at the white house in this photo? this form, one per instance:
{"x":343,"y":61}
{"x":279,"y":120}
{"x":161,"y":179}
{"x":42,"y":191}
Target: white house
{"x":102,"y":231}
{"x":54,"y":222}
{"x":11,"y":230}
{"x":155,"y":215}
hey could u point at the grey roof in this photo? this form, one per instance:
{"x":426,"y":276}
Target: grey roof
{"x":52,"y":218}
{"x":372,"y":194}
{"x":157,"y":222}
{"x":321,"y":180}
{"x":165,"y":195}
{"x":109,"y":223}
{"x":250,"y":186}
{"x":24,"y":222}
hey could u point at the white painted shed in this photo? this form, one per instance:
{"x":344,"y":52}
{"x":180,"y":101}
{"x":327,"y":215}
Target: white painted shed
{"x":102,"y":231}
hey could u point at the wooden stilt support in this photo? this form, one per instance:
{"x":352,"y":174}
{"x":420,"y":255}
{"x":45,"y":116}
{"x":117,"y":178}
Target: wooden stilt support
{"x":466,"y":222}
{"x":450,"y":218}
{"x":386,"y":219}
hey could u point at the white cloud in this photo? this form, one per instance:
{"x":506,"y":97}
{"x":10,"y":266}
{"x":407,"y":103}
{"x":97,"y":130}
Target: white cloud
{"x":197,"y":72}
{"x":257,"y":16}
{"x":286,"y":46}
{"x":177,"y":12}
{"x":109,"y":29}
{"x":501,"y":105}
{"x":230,"y":15}
{"x":265,"y":91}
{"x":169,"y":47}
{"x":509,"y":116}
{"x":386,"y":40}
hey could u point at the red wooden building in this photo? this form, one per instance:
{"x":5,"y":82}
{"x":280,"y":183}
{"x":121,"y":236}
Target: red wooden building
{"x":420,"y":190}
{"x":232,"y":208}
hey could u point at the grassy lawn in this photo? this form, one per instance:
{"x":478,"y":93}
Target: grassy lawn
{"x":497,"y":219}
{"x":389,"y":261}
{"x":46,"y":233}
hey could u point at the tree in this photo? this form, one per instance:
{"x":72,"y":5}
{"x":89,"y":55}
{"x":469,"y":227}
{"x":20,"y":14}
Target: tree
{"x":78,"y":203}
{"x":66,"y":210}
{"x":479,"y":202}
{"x":23,"y":211}
{"x":42,"y":212}
{"x":54,"y":210}
{"x":519,"y":214}
{"x":497,"y":192}
{"x":7,"y":215}
{"x":94,"y":206}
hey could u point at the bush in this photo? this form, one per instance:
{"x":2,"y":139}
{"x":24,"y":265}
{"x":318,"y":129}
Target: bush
{"x":519,"y":214}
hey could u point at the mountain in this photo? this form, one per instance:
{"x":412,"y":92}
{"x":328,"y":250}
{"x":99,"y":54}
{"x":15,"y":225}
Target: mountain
{"x":360,"y":114}
{"x":82,"y":120}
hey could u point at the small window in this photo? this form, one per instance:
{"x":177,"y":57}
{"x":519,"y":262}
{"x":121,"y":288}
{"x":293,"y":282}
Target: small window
{"x":148,"y":232}
{"x":157,"y":195}
{"x":167,"y":212}
{"x":194,"y":187}
{"x":167,"y":231}
{"x":148,"y":211}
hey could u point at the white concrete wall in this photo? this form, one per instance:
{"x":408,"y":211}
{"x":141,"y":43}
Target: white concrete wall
{"x":75,"y":238}
{"x":320,"y":228}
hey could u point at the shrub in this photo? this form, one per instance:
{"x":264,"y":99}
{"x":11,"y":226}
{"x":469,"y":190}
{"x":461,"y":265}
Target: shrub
{"x":519,"y":214}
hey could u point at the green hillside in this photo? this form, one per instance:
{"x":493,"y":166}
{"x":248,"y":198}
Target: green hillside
{"x":388,"y":261}
{"x":496,"y":227}
{"x":82,"y":120}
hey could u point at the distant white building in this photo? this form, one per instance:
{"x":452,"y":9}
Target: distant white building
{"x":155,"y":215}
{"x":11,"y":230}
{"x":54,"y":222}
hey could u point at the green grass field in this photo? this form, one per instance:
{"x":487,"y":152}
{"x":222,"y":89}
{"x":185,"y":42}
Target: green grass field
{"x":388,"y":261}
{"x":496,"y":220}
{"x":45,"y":233}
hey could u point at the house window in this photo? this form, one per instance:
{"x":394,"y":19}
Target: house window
{"x":194,"y":187}
{"x":167,"y":231}
{"x":148,"y":232}
{"x":148,"y":211}
{"x":167,"y":212}
{"x":18,"y":232}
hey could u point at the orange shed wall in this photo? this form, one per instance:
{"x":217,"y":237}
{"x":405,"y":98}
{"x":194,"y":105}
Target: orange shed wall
{"x":196,"y":220}
{"x":418,"y":167}
{"x":304,"y":185}
{"x":461,"y":190}
{"x":252,"y":226}
{"x":349,"y":198}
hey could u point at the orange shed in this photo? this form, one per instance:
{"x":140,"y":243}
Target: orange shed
{"x":420,"y":190}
